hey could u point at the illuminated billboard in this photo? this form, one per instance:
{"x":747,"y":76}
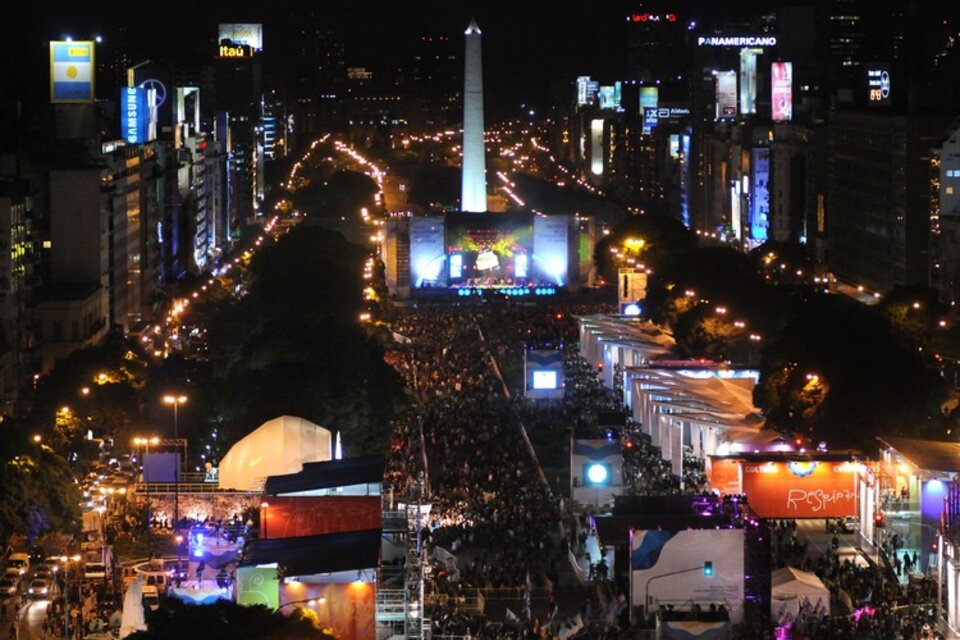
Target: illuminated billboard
{"x":649,"y":99}
{"x":726,"y":85}
{"x":781,"y":89}
{"x":596,"y":147}
{"x":134,"y":115}
{"x":250,"y":35}
{"x":748,"y":80}
{"x":544,"y":379}
{"x":658,"y":553}
{"x":72,"y":71}
{"x":737,"y":41}
{"x":586,"y":90}
{"x":878,"y":86}
{"x":610,"y":96}
{"x":800,"y":488}
{"x":759,"y":194}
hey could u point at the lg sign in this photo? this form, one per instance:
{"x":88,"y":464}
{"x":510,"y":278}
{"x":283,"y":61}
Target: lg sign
{"x":652,"y":17}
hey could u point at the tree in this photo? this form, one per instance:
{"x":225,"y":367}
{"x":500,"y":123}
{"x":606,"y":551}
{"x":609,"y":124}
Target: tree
{"x":228,"y":620}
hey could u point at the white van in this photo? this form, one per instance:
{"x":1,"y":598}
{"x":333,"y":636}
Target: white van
{"x":159,"y":580}
{"x":19,"y":560}
{"x":151,"y":598}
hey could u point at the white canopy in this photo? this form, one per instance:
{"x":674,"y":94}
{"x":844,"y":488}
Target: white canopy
{"x":279,"y":446}
{"x":793,"y":590}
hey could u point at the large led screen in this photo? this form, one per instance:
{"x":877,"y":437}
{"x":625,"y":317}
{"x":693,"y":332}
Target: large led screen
{"x":781,"y":88}
{"x":492,"y":250}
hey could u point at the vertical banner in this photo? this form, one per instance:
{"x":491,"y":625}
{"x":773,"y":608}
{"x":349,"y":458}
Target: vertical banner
{"x":258,"y":585}
{"x":748,"y":80}
{"x":759,"y":194}
{"x":596,"y":147}
{"x":726,"y":88}
{"x":781,"y":88}
{"x":71,"y":71}
{"x":134,"y":115}
{"x":649,"y":101}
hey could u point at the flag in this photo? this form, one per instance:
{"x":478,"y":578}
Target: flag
{"x":511,"y":616}
{"x":71,"y":71}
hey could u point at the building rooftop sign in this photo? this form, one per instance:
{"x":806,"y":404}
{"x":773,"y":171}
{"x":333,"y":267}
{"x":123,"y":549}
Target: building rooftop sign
{"x":737,"y":41}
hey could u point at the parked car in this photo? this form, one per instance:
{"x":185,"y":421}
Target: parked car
{"x":94,"y":571}
{"x":19,"y":560}
{"x":9,"y":586}
{"x":151,"y":598}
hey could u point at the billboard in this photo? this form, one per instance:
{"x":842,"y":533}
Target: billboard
{"x":724,"y":475}
{"x":72,"y":71}
{"x":800,"y":489}
{"x":596,"y":147}
{"x":427,"y":254}
{"x":550,"y":249}
{"x":543,"y":370}
{"x":878,"y":86}
{"x":610,"y":96}
{"x":748,"y":80}
{"x":781,"y":89}
{"x":258,"y":585}
{"x":649,"y":98}
{"x":759,"y":194}
{"x":134,"y":115}
{"x":586,"y":90}
{"x":659,"y":553}
{"x":247,"y":34}
{"x":290,"y":517}
{"x":726,"y":85}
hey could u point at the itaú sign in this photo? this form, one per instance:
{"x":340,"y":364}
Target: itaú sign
{"x":235,"y":51}
{"x":737,"y":41}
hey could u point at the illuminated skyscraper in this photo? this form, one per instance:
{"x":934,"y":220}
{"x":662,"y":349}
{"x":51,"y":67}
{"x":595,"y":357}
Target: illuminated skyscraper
{"x":473,"y":196}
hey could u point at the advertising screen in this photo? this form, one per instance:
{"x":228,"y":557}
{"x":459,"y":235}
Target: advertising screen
{"x":759,"y":194}
{"x":878,"y":86}
{"x":659,"y":553}
{"x":596,"y":147}
{"x":544,"y":379}
{"x":748,"y":80}
{"x":649,"y":97}
{"x":800,"y":489}
{"x":71,"y":71}
{"x":781,"y":88}
{"x":610,"y":96}
{"x":247,"y":34}
{"x":726,"y":85}
{"x":489,"y":247}
{"x":134,"y":115}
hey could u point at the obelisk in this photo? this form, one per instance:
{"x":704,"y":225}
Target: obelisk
{"x":473,"y":195}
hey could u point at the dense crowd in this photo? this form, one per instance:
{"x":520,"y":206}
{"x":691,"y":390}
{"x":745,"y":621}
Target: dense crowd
{"x":867,"y":601}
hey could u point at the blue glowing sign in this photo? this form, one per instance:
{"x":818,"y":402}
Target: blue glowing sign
{"x":134,"y":115}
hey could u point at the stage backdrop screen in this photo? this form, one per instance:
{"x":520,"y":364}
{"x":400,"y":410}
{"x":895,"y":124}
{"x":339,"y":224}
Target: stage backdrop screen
{"x":550,"y":249}
{"x":427,"y":255}
{"x":800,"y":489}
{"x":494,"y":249}
{"x":655,"y":553}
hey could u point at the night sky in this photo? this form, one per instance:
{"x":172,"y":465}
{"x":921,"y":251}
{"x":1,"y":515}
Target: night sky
{"x":530,"y":48}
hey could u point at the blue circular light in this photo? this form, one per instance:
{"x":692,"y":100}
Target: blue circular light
{"x":597,"y":473}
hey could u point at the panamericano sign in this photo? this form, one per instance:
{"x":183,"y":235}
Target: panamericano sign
{"x":737,"y":41}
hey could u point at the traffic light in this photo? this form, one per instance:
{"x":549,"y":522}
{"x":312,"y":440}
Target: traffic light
{"x":879,"y":520}
{"x":707,"y":568}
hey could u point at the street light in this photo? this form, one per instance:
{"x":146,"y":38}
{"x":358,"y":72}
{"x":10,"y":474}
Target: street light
{"x":176,"y":401}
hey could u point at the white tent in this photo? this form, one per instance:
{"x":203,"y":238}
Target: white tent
{"x":279,"y":446}
{"x":794,"y":591}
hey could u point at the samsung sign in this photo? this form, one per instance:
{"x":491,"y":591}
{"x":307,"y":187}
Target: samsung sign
{"x":134,"y":116}
{"x":737,"y":41}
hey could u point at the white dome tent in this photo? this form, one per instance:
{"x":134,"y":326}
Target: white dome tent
{"x":277,"y":447}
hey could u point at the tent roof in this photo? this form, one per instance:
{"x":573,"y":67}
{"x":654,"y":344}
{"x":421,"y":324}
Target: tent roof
{"x":931,"y":455}
{"x":307,"y":555}
{"x":328,"y":474}
{"x":278,"y":446}
{"x":792,"y":581}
